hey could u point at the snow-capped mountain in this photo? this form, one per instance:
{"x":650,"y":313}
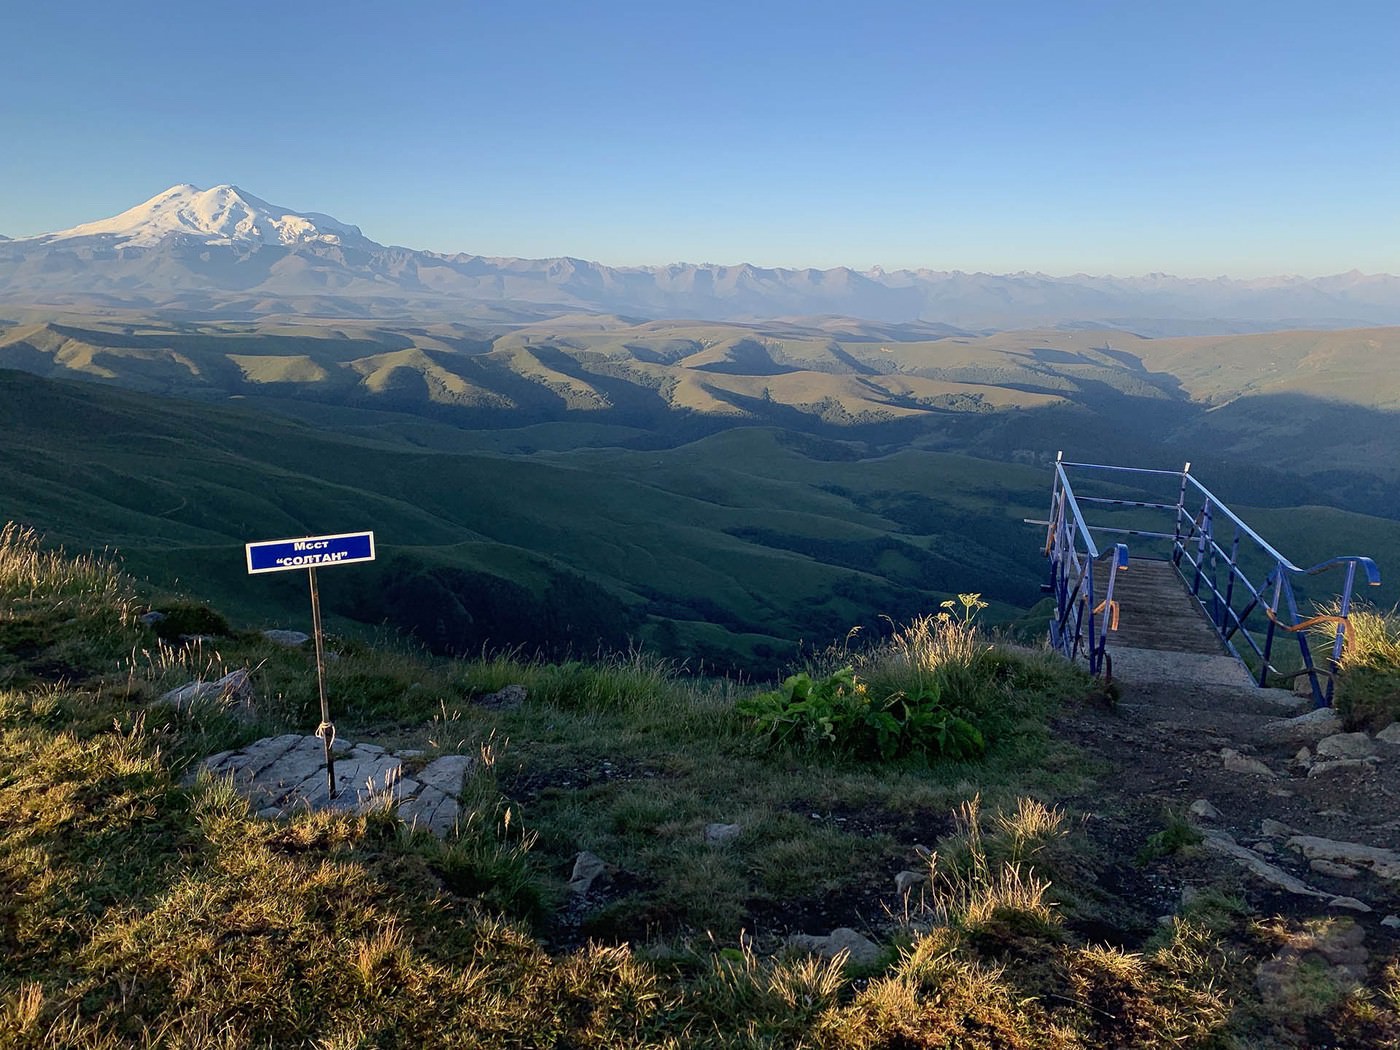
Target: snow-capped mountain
{"x":225,"y":252}
{"x":222,"y":215}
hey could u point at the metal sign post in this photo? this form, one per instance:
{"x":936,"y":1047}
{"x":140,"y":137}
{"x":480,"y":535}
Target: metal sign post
{"x":308,"y":553}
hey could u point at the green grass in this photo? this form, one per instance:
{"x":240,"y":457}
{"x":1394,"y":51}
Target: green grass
{"x":1368,"y":687}
{"x":140,"y":909}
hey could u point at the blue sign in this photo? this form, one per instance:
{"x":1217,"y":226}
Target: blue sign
{"x":310,"y":552}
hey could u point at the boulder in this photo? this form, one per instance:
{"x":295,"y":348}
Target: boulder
{"x":1275,"y":829}
{"x":1221,"y":842}
{"x":1349,"y":904}
{"x":234,"y":689}
{"x":507,"y":699}
{"x":589,"y":868}
{"x":859,"y":950}
{"x":1238,"y":763}
{"x":1203,"y":809}
{"x":908,"y":881}
{"x":1345,"y":745}
{"x":1390,"y":734}
{"x":1304,"y":729}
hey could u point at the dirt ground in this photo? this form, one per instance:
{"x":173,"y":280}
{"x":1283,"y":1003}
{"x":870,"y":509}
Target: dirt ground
{"x":1161,"y":747}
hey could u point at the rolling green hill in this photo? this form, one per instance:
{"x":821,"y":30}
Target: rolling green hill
{"x":728,"y":549}
{"x":718,"y":490}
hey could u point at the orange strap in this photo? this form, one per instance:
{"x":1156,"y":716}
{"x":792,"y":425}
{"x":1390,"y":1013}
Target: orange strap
{"x":1310,"y":622}
{"x":1112,"y":613}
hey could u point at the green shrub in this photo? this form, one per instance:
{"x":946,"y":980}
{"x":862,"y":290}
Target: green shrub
{"x":837,"y":713}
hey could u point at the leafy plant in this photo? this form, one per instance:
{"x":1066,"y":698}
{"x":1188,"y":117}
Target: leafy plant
{"x":837,"y":712}
{"x":807,"y":712}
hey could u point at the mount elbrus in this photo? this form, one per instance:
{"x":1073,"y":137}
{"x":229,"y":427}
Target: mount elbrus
{"x":227,"y":250}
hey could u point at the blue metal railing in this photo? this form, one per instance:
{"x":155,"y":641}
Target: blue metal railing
{"x":1080,"y":624}
{"x":1216,"y":553}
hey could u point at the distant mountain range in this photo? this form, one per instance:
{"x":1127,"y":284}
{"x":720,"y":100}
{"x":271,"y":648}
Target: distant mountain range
{"x":225,"y":253}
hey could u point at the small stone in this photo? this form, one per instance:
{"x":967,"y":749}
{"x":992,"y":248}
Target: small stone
{"x":1203,"y":809}
{"x":507,"y":699}
{"x":291,"y":639}
{"x":1349,"y":904}
{"x":1332,"y":868}
{"x":1238,"y":763}
{"x":588,"y":869}
{"x":1303,"y":757}
{"x":232,"y":690}
{"x":1189,"y":895}
{"x":717,"y":834}
{"x":411,"y":752}
{"x":1345,"y":745}
{"x":1390,"y":734}
{"x":1265,"y":846}
{"x":150,"y":619}
{"x":859,"y":950}
{"x":1391,"y":921}
{"x":905,"y":881}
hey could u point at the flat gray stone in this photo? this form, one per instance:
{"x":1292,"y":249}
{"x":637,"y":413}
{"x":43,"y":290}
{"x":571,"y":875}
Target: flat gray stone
{"x":1223,"y":843}
{"x":286,"y":774}
{"x":1333,"y":869}
{"x":1275,"y":829}
{"x":1382,"y":862}
{"x":1348,"y":904}
{"x":446,"y":773}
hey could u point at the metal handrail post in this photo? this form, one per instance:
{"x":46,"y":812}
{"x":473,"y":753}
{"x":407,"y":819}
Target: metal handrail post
{"x":1343,"y":624}
{"x":1180,"y":514}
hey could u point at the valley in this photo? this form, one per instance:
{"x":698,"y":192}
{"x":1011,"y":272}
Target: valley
{"x":722,"y":493}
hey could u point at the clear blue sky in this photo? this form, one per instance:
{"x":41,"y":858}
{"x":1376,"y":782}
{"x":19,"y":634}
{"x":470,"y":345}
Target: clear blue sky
{"x":1121,"y":137}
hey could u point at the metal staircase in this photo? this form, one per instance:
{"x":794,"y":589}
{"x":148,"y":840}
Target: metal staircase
{"x":1208,"y":585}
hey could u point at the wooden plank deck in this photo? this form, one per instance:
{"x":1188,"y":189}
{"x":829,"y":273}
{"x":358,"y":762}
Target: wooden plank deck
{"x":1155,"y":611}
